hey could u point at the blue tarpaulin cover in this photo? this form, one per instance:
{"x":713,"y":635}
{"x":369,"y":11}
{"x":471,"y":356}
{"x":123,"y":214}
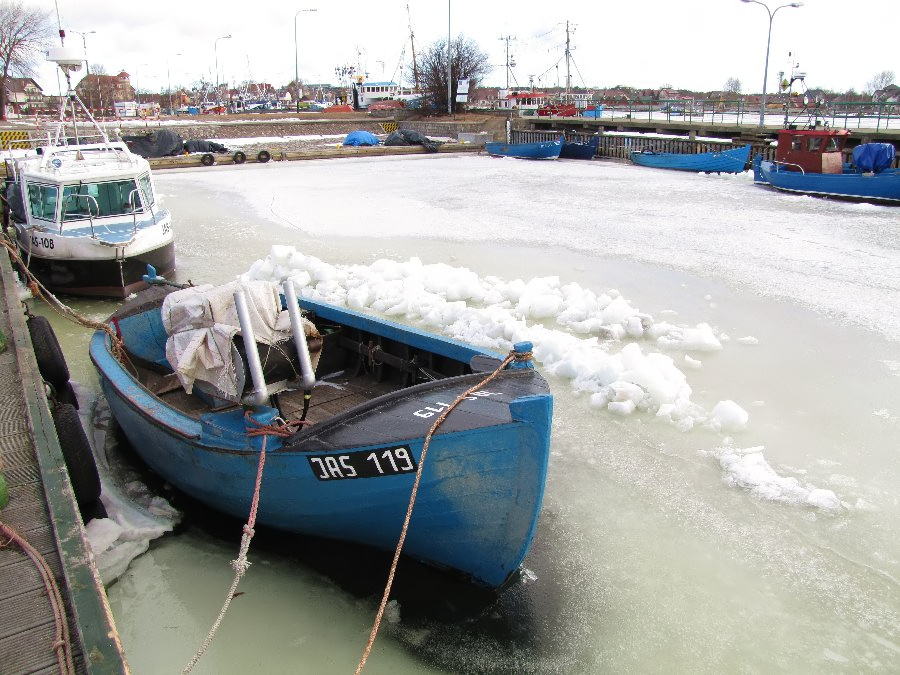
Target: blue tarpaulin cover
{"x":361,"y":137}
{"x":873,"y":156}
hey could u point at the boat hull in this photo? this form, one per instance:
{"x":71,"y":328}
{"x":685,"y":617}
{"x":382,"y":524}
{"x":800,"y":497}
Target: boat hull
{"x":579,"y":149}
{"x":539,"y":150}
{"x":107,"y":277}
{"x":726,"y":161}
{"x":854,"y":186}
{"x":350,"y":478}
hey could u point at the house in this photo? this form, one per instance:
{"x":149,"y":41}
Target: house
{"x":100,"y":93}
{"x":890,"y":94}
{"x":24,"y":96}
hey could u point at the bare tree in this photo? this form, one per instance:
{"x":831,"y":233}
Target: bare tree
{"x":467,"y":61}
{"x":733,"y":85}
{"x":880,"y":81}
{"x":24,"y":34}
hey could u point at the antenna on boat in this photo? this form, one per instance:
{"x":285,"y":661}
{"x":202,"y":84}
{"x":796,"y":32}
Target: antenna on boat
{"x":69,"y":61}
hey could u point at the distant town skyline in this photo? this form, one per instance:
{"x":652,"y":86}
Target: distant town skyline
{"x":696,"y":45}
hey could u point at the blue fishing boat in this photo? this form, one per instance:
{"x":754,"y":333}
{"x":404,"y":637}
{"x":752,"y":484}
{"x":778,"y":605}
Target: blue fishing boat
{"x":538,"y":150}
{"x":733,"y":160}
{"x":203,"y":379}
{"x":579,"y":148}
{"x":810,"y":161}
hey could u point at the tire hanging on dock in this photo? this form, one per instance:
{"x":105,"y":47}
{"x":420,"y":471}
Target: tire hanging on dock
{"x":51,"y":362}
{"x":263,"y":156}
{"x":239,"y":157}
{"x":79,"y":459}
{"x":207,"y":159}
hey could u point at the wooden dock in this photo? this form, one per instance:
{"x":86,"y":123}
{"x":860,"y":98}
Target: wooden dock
{"x":43,"y":511}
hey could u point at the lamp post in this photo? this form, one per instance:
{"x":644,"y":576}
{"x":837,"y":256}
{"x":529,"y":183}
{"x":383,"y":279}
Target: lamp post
{"x":87,"y":65}
{"x":771,"y":12}
{"x":449,"y":68}
{"x":216,"y":50}
{"x":296,"y":64}
{"x":169,"y":83}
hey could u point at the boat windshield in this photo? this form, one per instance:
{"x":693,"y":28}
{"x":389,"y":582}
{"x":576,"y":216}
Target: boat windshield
{"x":42,"y":201}
{"x":98,"y":200}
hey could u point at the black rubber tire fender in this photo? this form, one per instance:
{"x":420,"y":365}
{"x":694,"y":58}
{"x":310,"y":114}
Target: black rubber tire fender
{"x":239,"y":157}
{"x":77,"y":453}
{"x":263,"y":156}
{"x":207,"y":159}
{"x":51,"y":362}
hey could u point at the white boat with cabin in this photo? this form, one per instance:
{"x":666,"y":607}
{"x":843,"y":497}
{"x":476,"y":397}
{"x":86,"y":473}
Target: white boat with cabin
{"x":86,"y":216}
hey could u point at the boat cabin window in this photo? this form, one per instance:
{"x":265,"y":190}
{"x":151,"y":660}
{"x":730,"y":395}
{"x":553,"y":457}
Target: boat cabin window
{"x":146,"y":189}
{"x":833,"y":145}
{"x":796,"y":142}
{"x":98,"y":200}
{"x":815,"y":143}
{"x":42,"y":201}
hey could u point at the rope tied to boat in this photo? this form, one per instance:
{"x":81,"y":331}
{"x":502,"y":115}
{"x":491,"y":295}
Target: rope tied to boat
{"x":40,"y":292}
{"x":240,"y":565}
{"x":512,"y":356}
{"x":61,"y":643}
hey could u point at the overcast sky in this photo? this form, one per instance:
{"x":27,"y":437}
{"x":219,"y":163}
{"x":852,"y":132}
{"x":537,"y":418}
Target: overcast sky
{"x":691,"y":44}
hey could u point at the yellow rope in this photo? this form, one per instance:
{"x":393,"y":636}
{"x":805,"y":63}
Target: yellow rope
{"x":412,"y":500}
{"x":62,"y":644}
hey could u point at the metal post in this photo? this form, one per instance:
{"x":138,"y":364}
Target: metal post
{"x":216,"y":50}
{"x":296,"y":64}
{"x":771,"y":13}
{"x":449,"y":69}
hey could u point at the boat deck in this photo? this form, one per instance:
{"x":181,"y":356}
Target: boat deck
{"x":330,"y":396}
{"x":42,"y":510}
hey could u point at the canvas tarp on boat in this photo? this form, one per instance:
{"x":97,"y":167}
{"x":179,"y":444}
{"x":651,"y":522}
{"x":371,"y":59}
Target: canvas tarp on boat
{"x":873,"y":156}
{"x":201,"y":322}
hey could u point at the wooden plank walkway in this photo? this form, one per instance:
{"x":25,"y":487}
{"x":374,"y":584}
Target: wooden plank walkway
{"x":42,"y":509}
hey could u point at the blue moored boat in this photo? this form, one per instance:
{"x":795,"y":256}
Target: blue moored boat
{"x":360,"y":394}
{"x":538,"y":150}
{"x":810,"y":161}
{"x":720,"y":161}
{"x":579,"y":148}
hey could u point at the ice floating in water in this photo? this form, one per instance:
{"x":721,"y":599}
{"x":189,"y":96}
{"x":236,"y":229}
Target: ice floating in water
{"x":575,"y":331}
{"x":747,"y":468}
{"x":135,"y":516}
{"x":597,"y":341}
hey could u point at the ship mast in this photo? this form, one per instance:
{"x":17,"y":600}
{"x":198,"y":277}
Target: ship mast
{"x":412,"y":45}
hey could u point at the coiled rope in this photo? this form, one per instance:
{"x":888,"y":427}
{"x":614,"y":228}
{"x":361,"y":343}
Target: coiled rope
{"x":61,"y":644}
{"x":512,"y":356}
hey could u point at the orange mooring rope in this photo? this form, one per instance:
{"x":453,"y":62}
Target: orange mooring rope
{"x":61,"y":645}
{"x":240,"y":564}
{"x":412,"y":500}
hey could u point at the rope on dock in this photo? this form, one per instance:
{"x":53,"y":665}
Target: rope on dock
{"x":61,"y":645}
{"x":412,"y":498}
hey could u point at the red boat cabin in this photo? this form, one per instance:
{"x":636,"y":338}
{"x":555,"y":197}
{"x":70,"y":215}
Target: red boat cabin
{"x":813,"y":150}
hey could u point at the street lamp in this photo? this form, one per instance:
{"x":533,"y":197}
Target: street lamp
{"x":169,"y":80}
{"x":216,"y":50}
{"x":771,"y":12}
{"x":296,"y":66}
{"x":87,"y":65}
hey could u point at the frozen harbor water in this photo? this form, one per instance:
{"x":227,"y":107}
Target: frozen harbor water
{"x":725,"y":483}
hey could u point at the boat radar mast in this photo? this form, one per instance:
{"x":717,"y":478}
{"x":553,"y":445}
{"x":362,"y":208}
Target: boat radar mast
{"x":69,"y":61}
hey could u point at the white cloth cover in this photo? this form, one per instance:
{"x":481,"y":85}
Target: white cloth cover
{"x":201,"y":322}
